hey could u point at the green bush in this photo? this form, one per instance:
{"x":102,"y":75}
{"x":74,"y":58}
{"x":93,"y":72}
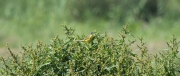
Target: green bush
{"x":103,"y":56}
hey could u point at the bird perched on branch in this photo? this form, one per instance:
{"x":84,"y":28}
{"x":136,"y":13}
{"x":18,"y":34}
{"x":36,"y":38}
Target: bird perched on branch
{"x":87,"y":39}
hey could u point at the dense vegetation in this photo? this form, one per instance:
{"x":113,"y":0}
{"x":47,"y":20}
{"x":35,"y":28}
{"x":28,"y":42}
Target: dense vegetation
{"x":23,"y":22}
{"x":103,"y":56}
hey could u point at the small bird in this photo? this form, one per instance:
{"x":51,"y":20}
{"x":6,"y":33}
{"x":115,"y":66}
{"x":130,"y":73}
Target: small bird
{"x":88,"y":39}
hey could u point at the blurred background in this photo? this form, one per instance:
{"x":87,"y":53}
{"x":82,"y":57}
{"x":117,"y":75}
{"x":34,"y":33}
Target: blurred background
{"x":24,"y":22}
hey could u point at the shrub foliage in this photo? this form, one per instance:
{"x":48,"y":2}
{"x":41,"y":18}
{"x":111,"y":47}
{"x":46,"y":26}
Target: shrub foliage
{"x":103,"y":56}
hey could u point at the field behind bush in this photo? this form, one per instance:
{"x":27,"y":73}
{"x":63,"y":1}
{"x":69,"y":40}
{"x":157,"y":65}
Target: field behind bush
{"x":25,"y":22}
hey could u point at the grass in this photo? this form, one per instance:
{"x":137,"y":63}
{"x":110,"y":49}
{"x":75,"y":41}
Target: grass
{"x":17,"y":34}
{"x":25,"y":22}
